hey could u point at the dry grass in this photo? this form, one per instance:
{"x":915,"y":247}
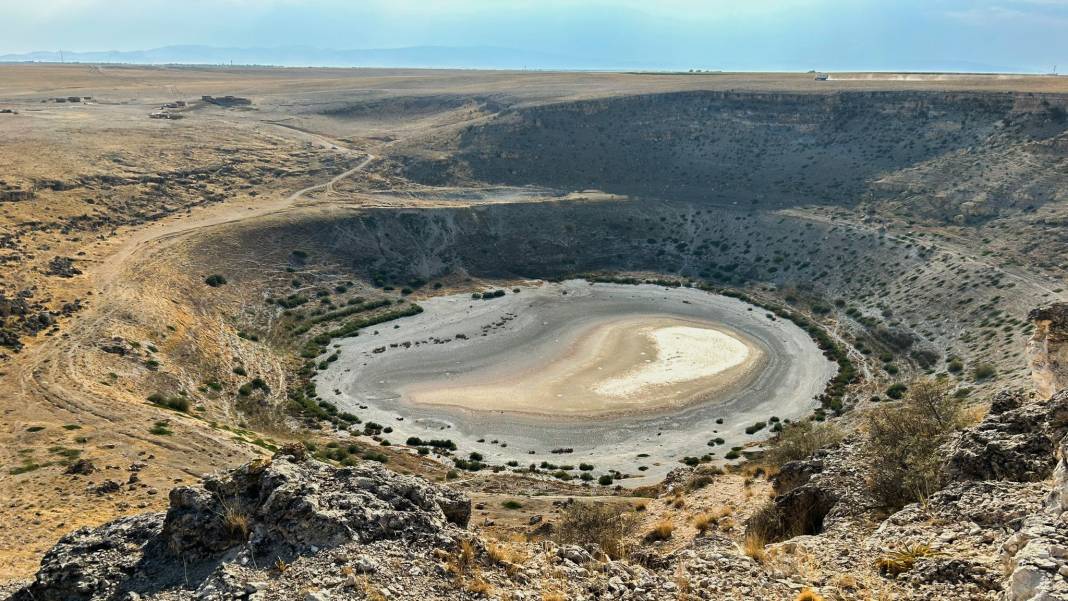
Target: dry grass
{"x":595,"y":523}
{"x":799,"y":440}
{"x":461,"y":562}
{"x":553,"y":596}
{"x":973,"y":414}
{"x":846,"y":582}
{"x":705,"y":521}
{"x":478,"y":586}
{"x":902,"y":560}
{"x":808,"y":595}
{"x":661,"y":531}
{"x":370,"y":591}
{"x":503,"y":554}
{"x":753,"y":546}
{"x":236,"y":522}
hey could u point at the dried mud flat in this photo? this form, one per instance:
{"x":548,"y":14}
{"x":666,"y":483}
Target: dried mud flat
{"x":469,"y":351}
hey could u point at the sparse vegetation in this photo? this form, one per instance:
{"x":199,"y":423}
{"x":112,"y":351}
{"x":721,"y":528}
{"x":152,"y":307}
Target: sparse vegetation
{"x":902,"y":560}
{"x":237,"y":523}
{"x":161,"y":428}
{"x":177,"y":402}
{"x":799,"y":440}
{"x":598,"y":524}
{"x":903,"y":442}
{"x":661,"y":530}
{"x":865,"y":267}
{"x":983,"y":371}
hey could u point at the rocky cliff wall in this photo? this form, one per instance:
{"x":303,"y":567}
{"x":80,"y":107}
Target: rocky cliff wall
{"x":1048,"y":349}
{"x":775,"y":150}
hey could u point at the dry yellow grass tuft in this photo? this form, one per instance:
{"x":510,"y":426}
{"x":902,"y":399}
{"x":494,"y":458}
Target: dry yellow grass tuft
{"x":703,"y":522}
{"x":370,"y":592}
{"x":753,"y":546}
{"x":478,"y":586}
{"x":845,"y":581}
{"x":237,"y":523}
{"x":460,"y":562}
{"x":503,"y":554}
{"x":896,"y":562}
{"x":808,"y":595}
{"x":661,"y":531}
{"x":604,"y":525}
{"x":716,"y":517}
{"x":553,"y":596}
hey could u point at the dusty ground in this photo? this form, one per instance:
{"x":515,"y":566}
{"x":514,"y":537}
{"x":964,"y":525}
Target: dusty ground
{"x":131,"y":200}
{"x":615,"y":367}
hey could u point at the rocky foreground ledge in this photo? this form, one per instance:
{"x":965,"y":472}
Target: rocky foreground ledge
{"x":264,"y":514}
{"x":294,"y":528}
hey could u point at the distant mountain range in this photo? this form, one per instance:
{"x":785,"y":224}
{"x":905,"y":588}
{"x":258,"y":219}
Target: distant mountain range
{"x":471,"y":57}
{"x":460,"y":57}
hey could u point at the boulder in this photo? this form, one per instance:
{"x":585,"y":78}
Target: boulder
{"x":93,"y":563}
{"x":290,"y":504}
{"x":793,"y":474}
{"x":62,"y":267}
{"x":81,"y":467}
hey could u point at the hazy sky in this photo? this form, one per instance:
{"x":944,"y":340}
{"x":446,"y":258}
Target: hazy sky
{"x":715,"y":34}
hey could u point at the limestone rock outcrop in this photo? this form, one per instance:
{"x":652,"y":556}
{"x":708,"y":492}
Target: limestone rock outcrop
{"x":273,"y":510}
{"x":1016,"y":441}
{"x":1048,"y":349}
{"x":1035,"y":558}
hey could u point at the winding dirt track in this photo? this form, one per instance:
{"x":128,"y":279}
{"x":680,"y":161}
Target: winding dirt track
{"x":107,"y":277}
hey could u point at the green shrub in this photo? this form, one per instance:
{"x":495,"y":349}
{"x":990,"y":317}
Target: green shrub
{"x":983,"y":371}
{"x":800,"y":440}
{"x":160,"y":428}
{"x":215,"y":280}
{"x":897,"y":391}
{"x":597,"y":524}
{"x":902,"y":450}
{"x":178,"y":403}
